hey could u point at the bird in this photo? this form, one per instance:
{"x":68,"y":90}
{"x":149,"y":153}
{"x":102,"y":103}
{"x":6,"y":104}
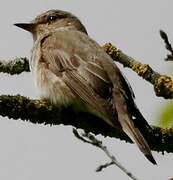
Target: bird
{"x":69,"y":67}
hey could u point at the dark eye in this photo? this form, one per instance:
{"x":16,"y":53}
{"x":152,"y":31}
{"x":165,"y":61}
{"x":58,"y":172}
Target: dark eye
{"x":52,"y":18}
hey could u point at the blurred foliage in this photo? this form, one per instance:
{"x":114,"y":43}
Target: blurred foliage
{"x":166,"y":116}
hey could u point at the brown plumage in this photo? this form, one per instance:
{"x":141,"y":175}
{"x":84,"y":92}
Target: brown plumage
{"x":68,"y":66}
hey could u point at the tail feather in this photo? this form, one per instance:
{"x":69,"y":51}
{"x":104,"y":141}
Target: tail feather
{"x":151,"y":159}
{"x":133,"y":132}
{"x":128,"y":126}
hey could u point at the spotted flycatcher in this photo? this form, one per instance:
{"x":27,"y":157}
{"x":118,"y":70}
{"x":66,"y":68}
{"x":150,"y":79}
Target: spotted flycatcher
{"x":68,"y":66}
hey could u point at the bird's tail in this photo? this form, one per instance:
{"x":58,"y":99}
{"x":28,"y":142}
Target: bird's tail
{"x":137,"y":137}
{"x":129,"y":128}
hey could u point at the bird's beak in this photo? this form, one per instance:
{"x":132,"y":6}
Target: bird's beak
{"x":26,"y":26}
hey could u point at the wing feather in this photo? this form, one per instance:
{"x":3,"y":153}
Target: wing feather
{"x":80,"y":83}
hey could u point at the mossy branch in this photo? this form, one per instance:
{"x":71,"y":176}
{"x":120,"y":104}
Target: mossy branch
{"x":163,"y":85}
{"x":16,"y":66}
{"x":37,"y":112}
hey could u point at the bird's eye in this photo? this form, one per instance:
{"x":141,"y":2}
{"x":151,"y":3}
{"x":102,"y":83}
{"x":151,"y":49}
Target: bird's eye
{"x":52,"y":18}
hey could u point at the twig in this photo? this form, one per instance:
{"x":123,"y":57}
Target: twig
{"x":101,"y":167}
{"x":89,"y":138}
{"x":168,"y":45}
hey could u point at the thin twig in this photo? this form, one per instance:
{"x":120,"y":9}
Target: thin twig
{"x":168,"y":45}
{"x":101,"y":167}
{"x":89,"y":138}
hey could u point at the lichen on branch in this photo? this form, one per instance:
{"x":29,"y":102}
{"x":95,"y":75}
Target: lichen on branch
{"x":42,"y":112}
{"x":16,"y":66}
{"x":163,"y":85}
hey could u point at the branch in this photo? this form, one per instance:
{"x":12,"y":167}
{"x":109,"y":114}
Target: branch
{"x":37,"y":112}
{"x":163,"y":85}
{"x":90,"y":139}
{"x":16,"y":66}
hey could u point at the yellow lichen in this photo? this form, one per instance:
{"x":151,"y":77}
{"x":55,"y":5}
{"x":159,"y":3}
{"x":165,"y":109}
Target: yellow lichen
{"x":164,"y":86}
{"x":143,"y":70}
{"x":111,"y":50}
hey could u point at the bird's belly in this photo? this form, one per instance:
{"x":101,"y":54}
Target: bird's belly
{"x":52,"y":88}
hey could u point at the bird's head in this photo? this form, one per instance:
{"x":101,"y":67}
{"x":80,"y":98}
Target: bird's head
{"x":52,"y":20}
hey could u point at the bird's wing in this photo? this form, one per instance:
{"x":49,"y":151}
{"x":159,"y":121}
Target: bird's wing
{"x":87,"y":81}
